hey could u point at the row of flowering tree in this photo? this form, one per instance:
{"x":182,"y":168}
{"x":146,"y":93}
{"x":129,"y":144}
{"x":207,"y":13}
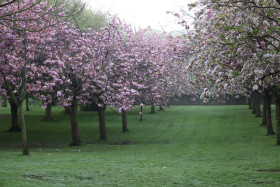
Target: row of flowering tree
{"x":48,"y":58}
{"x":236,"y":46}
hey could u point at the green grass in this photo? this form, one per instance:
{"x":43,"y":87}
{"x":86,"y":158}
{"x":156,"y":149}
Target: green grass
{"x":181,"y":146}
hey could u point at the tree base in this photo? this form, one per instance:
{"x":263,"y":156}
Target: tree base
{"x":76,"y":143}
{"x":270,"y":133}
{"x":48,"y":119}
{"x":263,"y":125}
{"x":26,"y":153}
{"x":14,"y":129}
{"x":125,"y":130}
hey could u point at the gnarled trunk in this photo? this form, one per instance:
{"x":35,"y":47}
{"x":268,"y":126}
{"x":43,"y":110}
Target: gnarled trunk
{"x":73,"y":109}
{"x":14,"y":114}
{"x":102,"y":127}
{"x":25,"y":150}
{"x":267,"y":98}
{"x":124,"y":121}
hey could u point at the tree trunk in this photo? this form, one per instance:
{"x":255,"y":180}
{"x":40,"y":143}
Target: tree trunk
{"x":277,"y":116}
{"x":161,"y":107}
{"x":257,"y":104}
{"x":267,"y":98}
{"x":14,"y":114}
{"x":249,"y":101}
{"x":25,"y":150}
{"x":4,"y":101}
{"x":153,"y":109}
{"x":124,"y":121}
{"x":48,"y":113}
{"x":102,"y":127}
{"x":141,"y":113}
{"x":253,"y":103}
{"x":76,"y":141}
{"x":27,"y":103}
{"x":264,"y":122}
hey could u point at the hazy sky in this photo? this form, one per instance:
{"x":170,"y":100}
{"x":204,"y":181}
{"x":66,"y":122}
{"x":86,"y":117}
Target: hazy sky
{"x":143,"y":13}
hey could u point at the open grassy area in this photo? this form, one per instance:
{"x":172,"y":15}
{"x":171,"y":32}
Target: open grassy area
{"x":181,"y":146}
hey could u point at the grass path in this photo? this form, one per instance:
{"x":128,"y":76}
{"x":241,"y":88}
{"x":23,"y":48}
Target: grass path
{"x":181,"y":146}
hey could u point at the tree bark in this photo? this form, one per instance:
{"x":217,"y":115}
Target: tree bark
{"x":25,"y":150}
{"x":153,"y":109}
{"x":124,"y":121}
{"x":277,"y":116}
{"x":141,"y":113}
{"x":48,"y":113}
{"x":264,"y":122}
{"x":14,"y":114}
{"x":249,"y":100}
{"x":73,"y":109}
{"x":161,"y":107}
{"x":257,"y":104}
{"x":27,"y":103}
{"x":267,"y":98}
{"x":102,"y":127}
{"x":253,"y":103}
{"x":4,"y":101}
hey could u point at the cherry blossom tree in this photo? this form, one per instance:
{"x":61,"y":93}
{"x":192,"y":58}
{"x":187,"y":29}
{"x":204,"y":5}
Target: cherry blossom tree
{"x":20,"y":34}
{"x":236,"y":48}
{"x":159,"y":68}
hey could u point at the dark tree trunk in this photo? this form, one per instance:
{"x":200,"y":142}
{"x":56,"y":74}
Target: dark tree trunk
{"x":48,"y":113}
{"x":249,"y":101}
{"x":14,"y":114}
{"x":25,"y":150}
{"x":4,"y":101}
{"x":257,"y":104}
{"x":160,"y":107}
{"x":153,"y":109}
{"x":102,"y":127}
{"x":277,"y":116}
{"x":27,"y":103}
{"x":73,"y":109}
{"x":124,"y":121}
{"x":267,"y":99}
{"x":141,"y":113}
{"x":264,"y":122}
{"x":253,"y":103}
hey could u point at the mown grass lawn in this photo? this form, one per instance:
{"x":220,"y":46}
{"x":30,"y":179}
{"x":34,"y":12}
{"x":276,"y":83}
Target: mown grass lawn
{"x":181,"y":146}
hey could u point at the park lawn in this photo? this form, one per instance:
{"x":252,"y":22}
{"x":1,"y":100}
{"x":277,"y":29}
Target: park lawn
{"x":181,"y":146}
